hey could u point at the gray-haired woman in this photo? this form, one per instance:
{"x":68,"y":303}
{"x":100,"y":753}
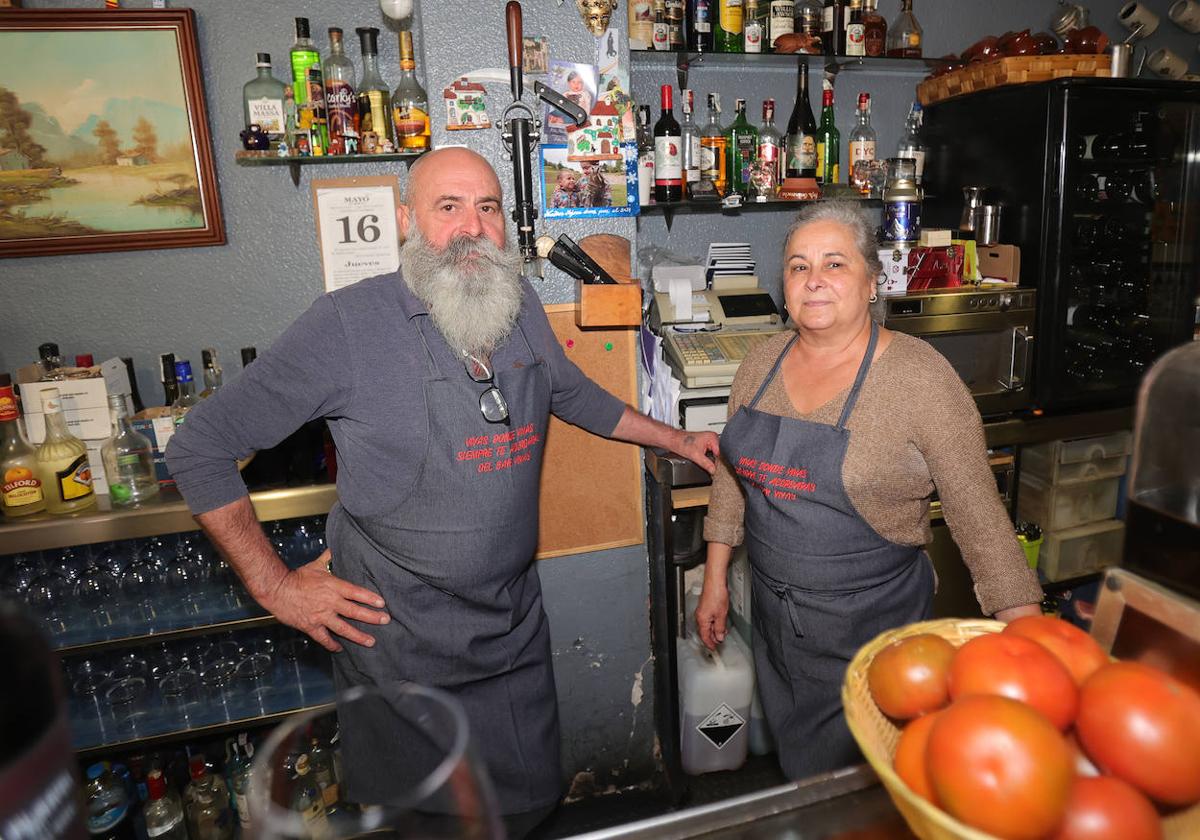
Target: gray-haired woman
{"x":839,"y":432}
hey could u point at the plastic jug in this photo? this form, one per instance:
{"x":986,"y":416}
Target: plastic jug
{"x":715,"y":692}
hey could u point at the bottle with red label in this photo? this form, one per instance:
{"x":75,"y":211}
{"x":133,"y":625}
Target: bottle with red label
{"x":769,"y":160}
{"x":20,"y":487}
{"x":62,"y":461}
{"x":668,"y":153}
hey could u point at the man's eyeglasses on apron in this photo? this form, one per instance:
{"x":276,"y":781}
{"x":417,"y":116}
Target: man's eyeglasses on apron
{"x":492,"y":404}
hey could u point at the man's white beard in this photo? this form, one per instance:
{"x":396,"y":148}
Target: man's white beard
{"x":472,"y":289}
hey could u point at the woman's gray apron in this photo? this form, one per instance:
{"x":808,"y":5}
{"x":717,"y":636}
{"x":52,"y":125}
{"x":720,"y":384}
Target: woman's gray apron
{"x":454,"y":564}
{"x":824,"y":582}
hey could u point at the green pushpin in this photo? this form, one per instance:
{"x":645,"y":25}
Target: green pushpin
{"x":608,"y":345}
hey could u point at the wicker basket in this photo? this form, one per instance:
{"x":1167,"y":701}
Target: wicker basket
{"x":1017,"y":70}
{"x":877,"y":737}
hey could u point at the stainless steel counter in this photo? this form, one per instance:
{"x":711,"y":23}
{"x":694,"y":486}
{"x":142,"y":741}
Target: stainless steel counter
{"x":839,"y":804}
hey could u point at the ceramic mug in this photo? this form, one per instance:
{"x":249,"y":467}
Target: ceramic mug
{"x":1186,"y":15}
{"x":1167,"y":63}
{"x":1133,"y":15}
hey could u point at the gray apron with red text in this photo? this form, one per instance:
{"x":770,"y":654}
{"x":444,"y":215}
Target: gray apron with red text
{"x":453,"y":563}
{"x":824,"y":582}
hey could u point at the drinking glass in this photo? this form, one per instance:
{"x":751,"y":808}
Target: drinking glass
{"x":126,"y":701}
{"x":216,"y":680}
{"x":423,"y":779}
{"x":22,"y":572}
{"x":95,"y":595}
{"x":141,"y":588}
{"x":48,"y":596}
{"x":180,"y":692}
{"x":185,"y":584}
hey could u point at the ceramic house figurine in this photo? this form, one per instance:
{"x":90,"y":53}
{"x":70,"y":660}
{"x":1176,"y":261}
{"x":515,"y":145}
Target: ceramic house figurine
{"x":599,"y":138}
{"x":465,"y":106}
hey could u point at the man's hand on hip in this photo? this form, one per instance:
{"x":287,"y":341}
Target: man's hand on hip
{"x":314,"y":601}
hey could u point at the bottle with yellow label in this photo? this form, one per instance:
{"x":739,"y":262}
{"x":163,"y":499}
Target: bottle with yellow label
{"x":20,"y":487}
{"x":62,"y":462}
{"x":410,"y":103}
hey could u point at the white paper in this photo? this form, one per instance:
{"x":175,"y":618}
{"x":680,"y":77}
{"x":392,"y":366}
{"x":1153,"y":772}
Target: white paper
{"x":679,"y":291}
{"x":358,"y":233}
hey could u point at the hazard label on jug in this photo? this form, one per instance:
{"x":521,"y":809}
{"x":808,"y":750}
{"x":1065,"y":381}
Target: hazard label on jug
{"x":721,"y":724}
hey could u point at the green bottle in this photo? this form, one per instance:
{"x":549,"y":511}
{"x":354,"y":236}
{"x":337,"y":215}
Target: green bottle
{"x":304,"y":55}
{"x":829,"y":141}
{"x":742,"y":143}
{"x":729,"y":24}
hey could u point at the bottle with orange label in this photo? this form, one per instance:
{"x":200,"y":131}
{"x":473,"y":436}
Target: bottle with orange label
{"x":410,"y":104}
{"x":62,"y":462}
{"x":20,"y":487}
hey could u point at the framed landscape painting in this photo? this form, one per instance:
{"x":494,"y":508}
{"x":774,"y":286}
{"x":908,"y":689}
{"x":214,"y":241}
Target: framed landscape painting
{"x":104,"y":141}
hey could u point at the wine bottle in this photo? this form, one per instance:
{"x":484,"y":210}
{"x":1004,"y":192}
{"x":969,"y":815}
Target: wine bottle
{"x":801,"y":158}
{"x":668,"y":156}
{"x":700,"y":25}
{"x":829,"y":140}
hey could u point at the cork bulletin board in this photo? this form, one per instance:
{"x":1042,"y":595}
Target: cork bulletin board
{"x":591,"y":494}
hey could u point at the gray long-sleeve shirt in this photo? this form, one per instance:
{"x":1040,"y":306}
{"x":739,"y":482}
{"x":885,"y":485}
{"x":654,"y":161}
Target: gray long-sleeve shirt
{"x":356,"y":359}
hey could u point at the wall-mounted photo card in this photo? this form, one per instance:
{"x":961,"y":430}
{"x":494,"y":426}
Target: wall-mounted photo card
{"x":576,"y":189}
{"x":576,"y":82}
{"x":535,"y":55}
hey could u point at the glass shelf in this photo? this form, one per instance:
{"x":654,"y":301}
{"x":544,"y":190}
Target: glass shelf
{"x":165,"y":514}
{"x":835,"y":63}
{"x":268,"y":158}
{"x":93,"y":640}
{"x":776,"y":204}
{"x":292,"y":687}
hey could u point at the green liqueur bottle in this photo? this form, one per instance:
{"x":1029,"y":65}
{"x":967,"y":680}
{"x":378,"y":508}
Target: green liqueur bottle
{"x":829,"y":140}
{"x":742,"y":142}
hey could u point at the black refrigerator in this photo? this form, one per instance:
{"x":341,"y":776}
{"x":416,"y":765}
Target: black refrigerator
{"x":1100,"y":188}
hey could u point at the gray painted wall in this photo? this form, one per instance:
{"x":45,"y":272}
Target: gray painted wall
{"x":148,"y":302}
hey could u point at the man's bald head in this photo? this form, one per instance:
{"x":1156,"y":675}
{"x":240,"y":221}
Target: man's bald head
{"x":453,"y":192}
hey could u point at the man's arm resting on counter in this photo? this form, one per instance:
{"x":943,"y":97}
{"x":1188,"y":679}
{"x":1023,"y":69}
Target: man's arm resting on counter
{"x":702,"y":448}
{"x":309,"y":598}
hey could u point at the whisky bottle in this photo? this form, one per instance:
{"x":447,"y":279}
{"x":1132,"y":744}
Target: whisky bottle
{"x":410,"y":103}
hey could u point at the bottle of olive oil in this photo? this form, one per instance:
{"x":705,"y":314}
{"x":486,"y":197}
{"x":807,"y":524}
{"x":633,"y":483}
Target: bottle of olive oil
{"x":62,"y":462}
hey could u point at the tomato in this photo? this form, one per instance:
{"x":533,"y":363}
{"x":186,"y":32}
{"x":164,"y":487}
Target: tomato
{"x":998,"y":765}
{"x":908,"y":677}
{"x":1074,"y":648}
{"x":1016,"y":667}
{"x":909,"y":760}
{"x":1083,"y":764}
{"x":1105,"y":808}
{"x":1140,"y":725}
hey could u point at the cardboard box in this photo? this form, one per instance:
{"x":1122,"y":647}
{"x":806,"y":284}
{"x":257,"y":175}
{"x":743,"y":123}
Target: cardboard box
{"x":158,"y":425}
{"x":1002,"y":262}
{"x":84,"y":402}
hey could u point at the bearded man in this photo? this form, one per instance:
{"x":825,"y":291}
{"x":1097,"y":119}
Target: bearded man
{"x":422,"y":378}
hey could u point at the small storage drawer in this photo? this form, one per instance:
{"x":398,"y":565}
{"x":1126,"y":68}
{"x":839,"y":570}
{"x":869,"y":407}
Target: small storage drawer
{"x":1059,"y":506}
{"x":1080,"y":551}
{"x":1083,"y":459}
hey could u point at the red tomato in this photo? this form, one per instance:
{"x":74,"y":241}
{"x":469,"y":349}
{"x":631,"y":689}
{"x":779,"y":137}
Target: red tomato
{"x":909,"y":760}
{"x":998,"y":765}
{"x":1142,"y":726}
{"x":1016,"y":667}
{"x":1105,"y":808}
{"x":908,"y":677}
{"x":1077,"y":650}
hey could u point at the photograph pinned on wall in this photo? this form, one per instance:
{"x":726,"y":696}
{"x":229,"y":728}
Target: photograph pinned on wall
{"x":535,"y":55}
{"x":604,"y":186}
{"x":576,"y":82}
{"x":104,"y":142}
{"x":614,"y":89}
{"x":466,"y":106}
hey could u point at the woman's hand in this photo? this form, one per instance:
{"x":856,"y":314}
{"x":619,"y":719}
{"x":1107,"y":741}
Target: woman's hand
{"x":1013,"y":613}
{"x":712,"y":612}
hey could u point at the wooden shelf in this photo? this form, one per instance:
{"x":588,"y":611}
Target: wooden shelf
{"x":165,"y":514}
{"x":268,"y":158}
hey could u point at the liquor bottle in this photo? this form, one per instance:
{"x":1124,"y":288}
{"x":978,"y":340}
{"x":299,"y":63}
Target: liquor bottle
{"x":641,"y":21}
{"x":829,"y":140}
{"x":781,"y":20}
{"x":303,"y":56}
{"x":239,"y":770}
{"x":128,"y":458}
{"x":645,"y":141}
{"x":51,"y":361}
{"x":187,"y":398}
{"x":661,"y":32}
{"x":729,"y":26}
{"x":910,"y":144}
{"x":213,"y":375}
{"x":833,"y":27}
{"x":700,"y":25}
{"x":801,"y":158}
{"x":410,"y":103}
{"x":262,"y":100}
{"x":208,"y":813}
{"x":374,"y":103}
{"x":167,"y":376}
{"x":769,"y":154}
{"x":714,"y":147}
{"x":668,"y":156}
{"x":810,"y":22}
{"x":291,"y":119}
{"x":163,"y":811}
{"x":109,"y":812}
{"x":320,"y":760}
{"x":307,"y":800}
{"x":752,"y":28}
{"x":862,"y":138}
{"x":904,"y":38}
{"x":689,"y":134}
{"x":742,"y":141}
{"x":315,"y":114}
{"x":135,"y":396}
{"x":20,"y":487}
{"x":341,"y":102}
{"x":84,"y":360}
{"x":675,"y":15}
{"x":855,"y":30}
{"x":62,"y":462}
{"x":874,"y":29}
